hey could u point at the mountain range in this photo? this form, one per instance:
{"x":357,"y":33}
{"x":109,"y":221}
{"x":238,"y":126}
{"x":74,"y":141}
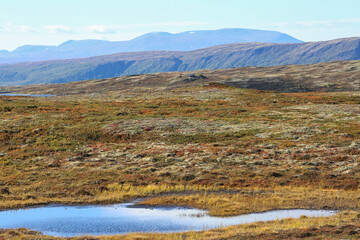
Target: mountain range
{"x":164,"y":41}
{"x":217,"y":57}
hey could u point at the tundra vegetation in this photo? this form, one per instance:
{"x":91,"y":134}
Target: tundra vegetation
{"x":228,"y":150}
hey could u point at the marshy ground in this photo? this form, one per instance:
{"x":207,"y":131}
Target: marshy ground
{"x":225,"y":149}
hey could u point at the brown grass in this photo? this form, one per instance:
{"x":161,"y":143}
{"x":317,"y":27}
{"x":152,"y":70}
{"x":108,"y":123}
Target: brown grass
{"x":228,"y":150}
{"x":247,"y":201}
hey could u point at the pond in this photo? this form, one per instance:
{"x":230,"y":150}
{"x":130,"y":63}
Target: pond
{"x":68,"y":221}
{"x":24,"y":95}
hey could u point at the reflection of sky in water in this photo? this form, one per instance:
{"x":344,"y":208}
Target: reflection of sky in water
{"x":116,"y":219}
{"x":23,"y":95}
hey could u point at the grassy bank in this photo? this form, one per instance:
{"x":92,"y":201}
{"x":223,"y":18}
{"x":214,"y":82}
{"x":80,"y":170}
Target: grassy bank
{"x":247,"y":201}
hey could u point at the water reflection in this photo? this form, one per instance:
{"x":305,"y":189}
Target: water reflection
{"x":24,"y":95}
{"x":70,"y":221}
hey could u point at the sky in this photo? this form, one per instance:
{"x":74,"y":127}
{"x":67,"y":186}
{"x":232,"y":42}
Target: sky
{"x":51,"y":22}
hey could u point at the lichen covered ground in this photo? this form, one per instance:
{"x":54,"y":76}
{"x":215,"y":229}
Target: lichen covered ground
{"x":202,"y":146}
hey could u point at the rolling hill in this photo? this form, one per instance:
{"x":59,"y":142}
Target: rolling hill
{"x":218,"y":57}
{"x":321,"y":77}
{"x":184,"y":41}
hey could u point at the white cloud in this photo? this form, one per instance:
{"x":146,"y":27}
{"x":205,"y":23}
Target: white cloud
{"x":326,"y":24}
{"x":165,"y":24}
{"x":10,"y":28}
{"x":25,"y":28}
{"x":329,"y":23}
{"x":320,"y":30}
{"x":57,"y":29}
{"x":282,"y":24}
{"x":102,"y":29}
{"x":98,"y":29}
{"x":108,"y":29}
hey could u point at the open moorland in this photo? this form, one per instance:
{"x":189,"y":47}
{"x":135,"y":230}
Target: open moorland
{"x":189,"y":140}
{"x":322,"y":77}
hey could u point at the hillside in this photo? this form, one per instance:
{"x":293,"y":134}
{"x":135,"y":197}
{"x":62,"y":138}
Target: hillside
{"x":325,"y":77}
{"x":228,"y":150}
{"x":218,"y":57}
{"x":184,"y":41}
{"x":187,"y":139}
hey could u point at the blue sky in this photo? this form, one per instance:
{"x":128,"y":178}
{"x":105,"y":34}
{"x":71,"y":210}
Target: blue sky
{"x":50,"y":22}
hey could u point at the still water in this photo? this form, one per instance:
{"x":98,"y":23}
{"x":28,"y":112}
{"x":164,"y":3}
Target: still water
{"x":23,"y":95}
{"x":67,"y":221}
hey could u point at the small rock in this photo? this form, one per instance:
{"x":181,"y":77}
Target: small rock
{"x":5,"y":190}
{"x":275,"y":174}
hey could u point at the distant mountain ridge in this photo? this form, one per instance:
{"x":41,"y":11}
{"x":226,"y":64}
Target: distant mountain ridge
{"x":218,"y":57}
{"x":163,"y":41}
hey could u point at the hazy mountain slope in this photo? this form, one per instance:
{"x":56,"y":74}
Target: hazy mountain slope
{"x":184,"y":41}
{"x":218,"y":57}
{"x":329,"y":76}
